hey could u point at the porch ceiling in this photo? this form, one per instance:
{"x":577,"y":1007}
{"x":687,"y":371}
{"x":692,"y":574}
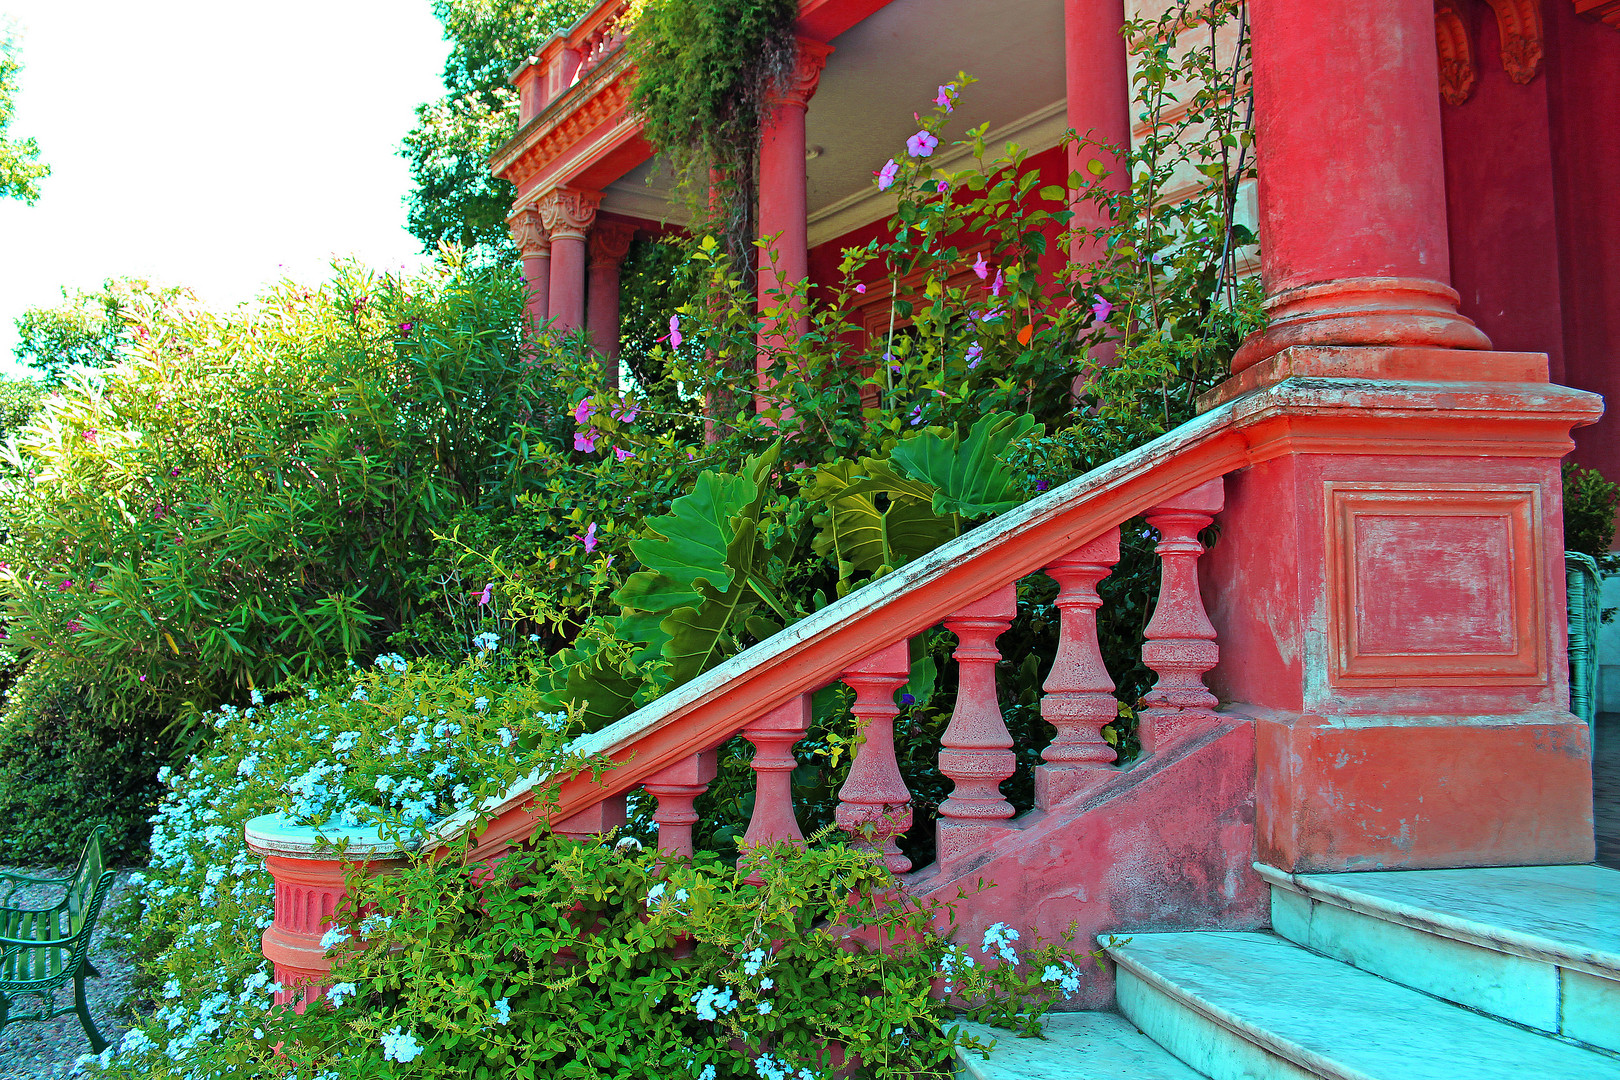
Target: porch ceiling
{"x":888,"y":67}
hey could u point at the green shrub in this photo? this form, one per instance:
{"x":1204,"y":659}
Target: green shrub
{"x":1589,"y":508}
{"x":65,"y":767}
{"x":19,"y":401}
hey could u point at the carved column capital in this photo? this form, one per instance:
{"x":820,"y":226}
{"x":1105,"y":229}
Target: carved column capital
{"x":1459,"y":69}
{"x":610,"y":242}
{"x":569,"y":212}
{"x":800,"y":87}
{"x":528,"y":230}
{"x":1523,"y":40}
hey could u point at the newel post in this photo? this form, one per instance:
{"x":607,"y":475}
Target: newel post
{"x":1180,"y":643}
{"x":874,"y":805}
{"x":1079,"y":695}
{"x":309,"y":897}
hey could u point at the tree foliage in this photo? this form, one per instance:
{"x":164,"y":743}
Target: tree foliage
{"x":455,"y":199}
{"x":85,"y":331}
{"x":20,"y":167}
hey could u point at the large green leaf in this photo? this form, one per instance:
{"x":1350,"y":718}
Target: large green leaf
{"x":870,"y":539}
{"x":968,"y":475}
{"x":688,"y":544}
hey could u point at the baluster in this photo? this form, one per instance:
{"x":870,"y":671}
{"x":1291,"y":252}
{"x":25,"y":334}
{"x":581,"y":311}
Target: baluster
{"x":774,"y":736}
{"x":1079,"y":696}
{"x":676,"y":787}
{"x":874,"y":805}
{"x":1180,"y":644}
{"x":976,"y":749}
{"x":595,"y":820}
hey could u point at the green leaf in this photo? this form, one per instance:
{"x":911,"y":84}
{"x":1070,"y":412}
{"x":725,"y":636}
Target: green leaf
{"x":865,"y":537}
{"x":968,"y":475}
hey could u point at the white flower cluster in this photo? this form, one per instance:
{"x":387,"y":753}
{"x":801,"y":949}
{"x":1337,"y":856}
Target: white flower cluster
{"x":999,"y":938}
{"x":1067,"y":976}
{"x":953,"y":965}
{"x":771,"y":1068}
{"x":401,"y":1046}
{"x":488,"y":641}
{"x":711,"y":1002}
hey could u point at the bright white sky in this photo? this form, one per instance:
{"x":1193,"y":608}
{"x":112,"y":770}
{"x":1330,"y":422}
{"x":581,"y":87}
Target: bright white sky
{"x":219,"y":144}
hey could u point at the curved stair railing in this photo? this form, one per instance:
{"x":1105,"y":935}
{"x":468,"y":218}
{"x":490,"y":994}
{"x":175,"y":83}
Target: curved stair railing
{"x":968,"y":585}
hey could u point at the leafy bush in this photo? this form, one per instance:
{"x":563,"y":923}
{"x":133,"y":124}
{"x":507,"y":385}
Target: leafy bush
{"x":19,"y":400}
{"x":1589,"y":507}
{"x":66,"y":768}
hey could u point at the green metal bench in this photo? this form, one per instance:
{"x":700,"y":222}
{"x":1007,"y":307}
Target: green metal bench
{"x":43,"y":949}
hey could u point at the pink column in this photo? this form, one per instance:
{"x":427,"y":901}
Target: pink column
{"x":529,"y":234}
{"x":976,"y":751}
{"x":609,"y":244}
{"x":1099,"y":106}
{"x":1180,"y":643}
{"x":569,"y":214}
{"x":782,"y":202}
{"x":1352,"y":183}
{"x":1079,"y":695}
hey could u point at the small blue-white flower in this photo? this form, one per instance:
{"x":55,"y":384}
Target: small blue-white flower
{"x":401,"y":1046}
{"x":502,"y":1012}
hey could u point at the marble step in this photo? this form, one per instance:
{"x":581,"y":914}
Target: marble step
{"x":1537,"y":945}
{"x":1077,"y":1046}
{"x":1253,"y":1006}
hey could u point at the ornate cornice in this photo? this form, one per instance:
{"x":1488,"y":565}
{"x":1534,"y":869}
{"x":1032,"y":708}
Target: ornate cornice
{"x":610,"y":242}
{"x":565,"y":122}
{"x":1523,"y":40}
{"x":528,"y":230}
{"x":1603,"y":10}
{"x":1459,"y":69}
{"x":808,"y":64}
{"x":569,"y":212}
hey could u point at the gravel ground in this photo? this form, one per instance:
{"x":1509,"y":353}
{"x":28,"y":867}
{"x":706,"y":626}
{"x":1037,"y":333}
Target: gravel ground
{"x":37,"y":1051}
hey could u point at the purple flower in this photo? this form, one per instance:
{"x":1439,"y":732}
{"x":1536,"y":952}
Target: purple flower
{"x":887,"y":174}
{"x":907,"y":699}
{"x":405,"y":329}
{"x":860,"y":288}
{"x":922,"y":144}
{"x":916,"y":416}
{"x":674,"y":336}
{"x":943,"y":186}
{"x":589,"y":539}
{"x":1041,"y":485}
{"x":975,"y":353}
{"x":623,"y":455}
{"x":997,"y":285}
{"x":626,"y":413}
{"x":584,"y":411}
{"x":484,"y":597}
{"x":1101,"y":309}
{"x":947,"y":94}
{"x":981,"y":267}
{"x":585,"y":440}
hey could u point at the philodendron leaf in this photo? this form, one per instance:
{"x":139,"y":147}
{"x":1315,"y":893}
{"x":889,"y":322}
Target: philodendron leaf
{"x":968,"y":475}
{"x":701,"y":637}
{"x":688,"y":544}
{"x":862,"y":535}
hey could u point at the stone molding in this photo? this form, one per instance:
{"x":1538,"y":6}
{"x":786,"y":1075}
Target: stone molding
{"x":1600,"y":10}
{"x":610,"y":242}
{"x":529,"y":233}
{"x":1459,"y":67}
{"x":1523,"y":39}
{"x":808,"y":64}
{"x":569,"y":213}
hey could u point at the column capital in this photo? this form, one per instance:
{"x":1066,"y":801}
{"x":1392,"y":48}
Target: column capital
{"x":799,"y":87}
{"x":528,"y":230}
{"x":610,"y":242}
{"x":569,"y":212}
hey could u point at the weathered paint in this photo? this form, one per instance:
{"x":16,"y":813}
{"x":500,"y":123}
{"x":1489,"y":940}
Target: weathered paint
{"x":1166,"y":843}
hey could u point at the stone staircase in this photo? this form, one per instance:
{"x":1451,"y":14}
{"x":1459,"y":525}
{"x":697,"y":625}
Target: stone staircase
{"x":1406,"y":975}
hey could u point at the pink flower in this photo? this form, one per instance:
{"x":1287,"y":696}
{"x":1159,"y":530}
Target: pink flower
{"x":887,"y":174}
{"x":916,"y":416}
{"x":1101,"y":309}
{"x":483,"y":597}
{"x":947,"y":94}
{"x":975,"y":353}
{"x":623,"y":455}
{"x":922,"y":144}
{"x":174,"y":472}
{"x":584,"y":411}
{"x":980,"y":267}
{"x":675,"y":332}
{"x":585,"y":440}
{"x":997,"y":285}
{"x":64,"y":585}
{"x":405,"y":329}
{"x":626,"y":413}
{"x":88,"y":435}
{"x":589,"y":539}
{"x":74,"y":626}
{"x":860,"y":288}
{"x":943,"y":187}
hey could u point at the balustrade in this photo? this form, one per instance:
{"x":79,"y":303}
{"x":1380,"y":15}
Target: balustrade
{"x":977,"y":752}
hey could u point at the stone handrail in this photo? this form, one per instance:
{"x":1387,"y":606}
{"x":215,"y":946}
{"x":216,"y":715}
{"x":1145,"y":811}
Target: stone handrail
{"x":1071,"y":533}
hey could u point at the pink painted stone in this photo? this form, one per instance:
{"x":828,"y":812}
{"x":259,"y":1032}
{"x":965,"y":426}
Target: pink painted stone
{"x":774,"y":736}
{"x":1180,"y":643}
{"x":676,"y":787}
{"x":593,"y":821}
{"x":976,"y":749}
{"x":1079,"y":695}
{"x":874,"y":805}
